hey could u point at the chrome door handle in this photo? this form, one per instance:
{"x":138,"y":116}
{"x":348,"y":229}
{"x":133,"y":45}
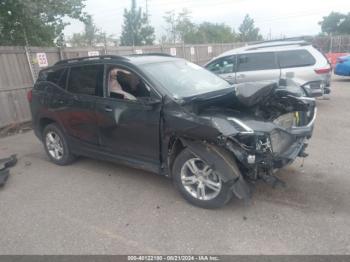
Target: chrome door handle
{"x":108,"y":109}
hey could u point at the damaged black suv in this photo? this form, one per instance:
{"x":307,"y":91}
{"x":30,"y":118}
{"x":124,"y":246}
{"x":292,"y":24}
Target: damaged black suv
{"x":172,"y":117}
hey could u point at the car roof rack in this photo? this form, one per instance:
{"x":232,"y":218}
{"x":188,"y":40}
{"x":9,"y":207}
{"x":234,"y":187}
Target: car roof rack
{"x":150,"y":54}
{"x":300,"y":43}
{"x":286,"y":39}
{"x":87,"y":58}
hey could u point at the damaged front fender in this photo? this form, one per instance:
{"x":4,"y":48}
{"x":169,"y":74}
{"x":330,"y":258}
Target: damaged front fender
{"x":222,"y":162}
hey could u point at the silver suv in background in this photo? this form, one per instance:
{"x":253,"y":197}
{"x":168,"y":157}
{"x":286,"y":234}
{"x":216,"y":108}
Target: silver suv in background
{"x":274,"y":60}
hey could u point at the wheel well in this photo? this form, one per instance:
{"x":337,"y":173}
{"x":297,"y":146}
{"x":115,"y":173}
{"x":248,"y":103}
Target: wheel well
{"x":44,"y":122}
{"x":174,"y":148}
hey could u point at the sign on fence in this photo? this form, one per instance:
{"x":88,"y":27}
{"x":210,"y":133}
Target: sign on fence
{"x":93,"y":53}
{"x":173,"y":51}
{"x":42,"y":59}
{"x":210,"y":49}
{"x":138,"y":51}
{"x":192,"y":50}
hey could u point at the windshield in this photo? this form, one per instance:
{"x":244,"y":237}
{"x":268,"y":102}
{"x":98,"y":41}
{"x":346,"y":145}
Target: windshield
{"x":184,"y":79}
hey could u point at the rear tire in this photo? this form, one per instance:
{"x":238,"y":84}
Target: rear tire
{"x":56,"y":146}
{"x":190,"y":183}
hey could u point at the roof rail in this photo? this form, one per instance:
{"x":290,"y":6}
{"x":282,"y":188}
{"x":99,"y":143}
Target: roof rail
{"x":296,"y":38}
{"x":282,"y":44}
{"x":155,"y":54}
{"x":77,"y":59}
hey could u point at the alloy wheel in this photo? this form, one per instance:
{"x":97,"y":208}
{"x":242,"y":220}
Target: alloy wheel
{"x":200,"y":180}
{"x":54,"y":145}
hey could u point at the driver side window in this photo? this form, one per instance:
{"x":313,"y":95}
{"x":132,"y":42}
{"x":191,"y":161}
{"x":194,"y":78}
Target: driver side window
{"x":124,"y":84}
{"x":224,"y":65}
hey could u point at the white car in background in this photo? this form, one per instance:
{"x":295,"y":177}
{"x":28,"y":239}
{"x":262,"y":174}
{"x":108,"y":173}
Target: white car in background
{"x":275,"y":60}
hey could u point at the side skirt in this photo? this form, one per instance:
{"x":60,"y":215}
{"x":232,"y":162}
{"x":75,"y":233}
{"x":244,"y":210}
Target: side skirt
{"x":96,"y":152}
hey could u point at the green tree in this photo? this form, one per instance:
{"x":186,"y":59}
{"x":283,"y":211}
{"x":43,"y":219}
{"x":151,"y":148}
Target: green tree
{"x":170,"y":20}
{"x":36,"y":23}
{"x":136,"y":27}
{"x":186,"y":29}
{"x":90,"y":37}
{"x":336,"y":23}
{"x":215,"y":33}
{"x":179,"y":27}
{"x":248,"y":31}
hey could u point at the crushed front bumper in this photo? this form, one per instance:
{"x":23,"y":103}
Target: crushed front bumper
{"x":271,"y":149}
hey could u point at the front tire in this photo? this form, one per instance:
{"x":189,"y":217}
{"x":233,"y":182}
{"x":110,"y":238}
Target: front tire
{"x":198,"y":183}
{"x":56,"y":146}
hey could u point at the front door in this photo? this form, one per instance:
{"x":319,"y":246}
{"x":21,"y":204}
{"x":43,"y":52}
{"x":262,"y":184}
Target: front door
{"x":225,"y":67}
{"x":128,"y":122}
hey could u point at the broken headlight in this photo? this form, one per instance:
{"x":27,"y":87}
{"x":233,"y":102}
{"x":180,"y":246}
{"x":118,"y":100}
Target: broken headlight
{"x":287,"y":120}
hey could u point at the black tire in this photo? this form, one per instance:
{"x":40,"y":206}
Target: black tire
{"x":66,"y":157}
{"x":223,"y":197}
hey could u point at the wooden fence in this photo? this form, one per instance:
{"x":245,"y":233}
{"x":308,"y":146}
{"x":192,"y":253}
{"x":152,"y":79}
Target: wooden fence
{"x":19,"y":66}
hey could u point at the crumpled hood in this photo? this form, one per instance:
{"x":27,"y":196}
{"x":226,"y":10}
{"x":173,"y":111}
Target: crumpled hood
{"x":254,"y":108}
{"x":246,"y":96}
{"x":247,"y":108}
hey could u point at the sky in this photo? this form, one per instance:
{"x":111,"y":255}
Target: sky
{"x":274,"y":18}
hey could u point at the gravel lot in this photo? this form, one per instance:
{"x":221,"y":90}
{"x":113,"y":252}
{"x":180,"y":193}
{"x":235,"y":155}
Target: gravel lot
{"x":95,"y":207}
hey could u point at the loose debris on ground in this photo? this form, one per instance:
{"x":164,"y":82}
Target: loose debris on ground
{"x":5,"y":165}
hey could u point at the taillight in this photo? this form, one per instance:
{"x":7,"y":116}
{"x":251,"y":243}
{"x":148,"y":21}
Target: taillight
{"x":324,"y":70}
{"x":30,"y":95}
{"x":339,"y":60}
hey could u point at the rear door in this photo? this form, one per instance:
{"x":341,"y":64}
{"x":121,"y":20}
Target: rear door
{"x":257,"y":67}
{"x":224,"y":67}
{"x":76,"y":105}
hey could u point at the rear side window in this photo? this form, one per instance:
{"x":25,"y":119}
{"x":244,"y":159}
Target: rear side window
{"x":87,"y":80}
{"x":295,"y":58}
{"x":55,"y":76}
{"x":257,"y":61}
{"x":224,"y":65}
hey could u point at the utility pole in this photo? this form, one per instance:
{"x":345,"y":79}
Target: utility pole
{"x":146,"y":8}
